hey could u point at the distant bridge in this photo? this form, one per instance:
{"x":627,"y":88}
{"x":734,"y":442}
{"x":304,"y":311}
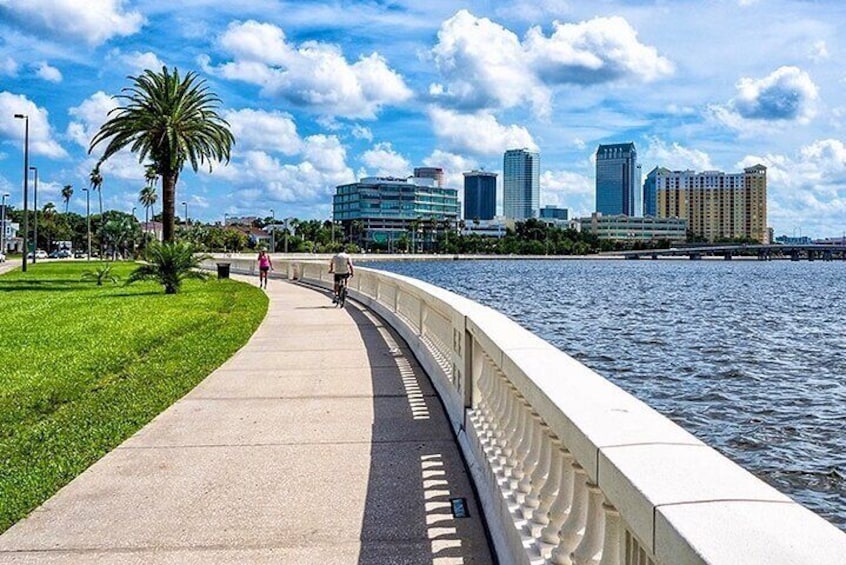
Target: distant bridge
{"x":794,"y":252}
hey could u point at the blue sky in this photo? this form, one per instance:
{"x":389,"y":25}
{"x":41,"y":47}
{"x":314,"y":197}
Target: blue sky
{"x":322,"y":93}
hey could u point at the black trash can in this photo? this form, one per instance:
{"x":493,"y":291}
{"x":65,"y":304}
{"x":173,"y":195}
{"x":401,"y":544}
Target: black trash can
{"x":223,"y":270}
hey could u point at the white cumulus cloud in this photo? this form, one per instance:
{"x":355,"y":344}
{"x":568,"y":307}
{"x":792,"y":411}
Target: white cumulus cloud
{"x":313,"y":74}
{"x":788,"y":93}
{"x":91,"y":21}
{"x":383,"y":161}
{"x":139,"y":62}
{"x":478,"y":133}
{"x":41,"y":140}
{"x":89,"y":116}
{"x":259,"y":129}
{"x":485,"y":65}
{"x":46,"y":72}
{"x":676,"y":157}
{"x":810,"y":185}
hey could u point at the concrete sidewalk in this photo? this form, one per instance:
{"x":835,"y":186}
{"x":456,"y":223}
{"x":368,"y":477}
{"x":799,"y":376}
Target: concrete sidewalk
{"x":320,"y":442}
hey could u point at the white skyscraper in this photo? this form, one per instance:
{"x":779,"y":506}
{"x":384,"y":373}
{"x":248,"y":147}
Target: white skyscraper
{"x":521,"y":184}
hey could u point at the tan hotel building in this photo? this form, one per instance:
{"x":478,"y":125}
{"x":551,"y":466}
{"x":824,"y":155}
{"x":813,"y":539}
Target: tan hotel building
{"x":716,"y":205}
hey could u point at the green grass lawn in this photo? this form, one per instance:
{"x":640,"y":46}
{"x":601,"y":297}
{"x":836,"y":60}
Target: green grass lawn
{"x":83,"y":367}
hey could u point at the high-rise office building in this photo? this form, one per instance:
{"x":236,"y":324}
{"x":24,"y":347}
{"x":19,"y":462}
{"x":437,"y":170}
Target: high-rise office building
{"x":650,"y":191}
{"x":617,"y":179}
{"x":716,"y":205}
{"x":520,"y":184}
{"x":479,"y":195}
{"x":436,"y":173}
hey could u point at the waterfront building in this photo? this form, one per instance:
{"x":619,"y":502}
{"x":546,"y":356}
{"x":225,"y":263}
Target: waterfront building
{"x":717,"y":205}
{"x":520,"y":184}
{"x":554,"y":213}
{"x":9,"y":236}
{"x":496,"y":227}
{"x":617,"y":179}
{"x":383,"y":210}
{"x":479,"y":195}
{"x":633,"y":228}
{"x":436,"y":173}
{"x":650,"y":191}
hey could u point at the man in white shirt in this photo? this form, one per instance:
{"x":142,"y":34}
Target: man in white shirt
{"x":341,"y":265}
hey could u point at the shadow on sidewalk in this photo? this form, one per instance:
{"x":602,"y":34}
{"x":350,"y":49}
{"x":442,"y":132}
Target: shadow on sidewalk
{"x":415,"y":465}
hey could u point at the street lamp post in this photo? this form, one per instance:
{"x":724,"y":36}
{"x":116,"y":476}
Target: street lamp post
{"x":25,"y":188}
{"x":286,"y":234}
{"x":3,"y":221}
{"x":88,"y":221}
{"x":35,"y":211}
{"x":273,"y":232}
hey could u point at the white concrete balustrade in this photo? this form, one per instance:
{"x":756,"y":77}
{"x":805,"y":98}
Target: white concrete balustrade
{"x":570,"y":469}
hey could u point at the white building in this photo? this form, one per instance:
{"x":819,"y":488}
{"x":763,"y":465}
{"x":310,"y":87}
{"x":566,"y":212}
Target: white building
{"x":520,"y":184}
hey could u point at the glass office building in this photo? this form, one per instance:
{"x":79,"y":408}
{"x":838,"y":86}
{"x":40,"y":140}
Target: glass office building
{"x":479,"y":195}
{"x":381,"y":209}
{"x":520,"y":184}
{"x":617,"y":180}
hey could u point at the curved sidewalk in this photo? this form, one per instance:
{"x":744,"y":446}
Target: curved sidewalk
{"x":320,"y":442}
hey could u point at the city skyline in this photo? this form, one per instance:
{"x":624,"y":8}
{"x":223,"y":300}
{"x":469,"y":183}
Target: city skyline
{"x":322,"y":94}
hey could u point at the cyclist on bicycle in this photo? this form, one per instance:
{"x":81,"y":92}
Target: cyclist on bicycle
{"x":341,"y":265}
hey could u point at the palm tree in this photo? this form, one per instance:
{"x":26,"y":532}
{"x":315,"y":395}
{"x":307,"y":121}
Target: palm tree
{"x":169,"y":264}
{"x":96,"y":180}
{"x":169,"y":120}
{"x":48,"y":214}
{"x":67,"y":192}
{"x":147,"y":198}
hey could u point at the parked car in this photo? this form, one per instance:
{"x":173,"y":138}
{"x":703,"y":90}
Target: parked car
{"x":2,"y":257}
{"x":39,"y":254}
{"x":79,"y":254}
{"x":54,"y":254}
{"x":64,"y":254}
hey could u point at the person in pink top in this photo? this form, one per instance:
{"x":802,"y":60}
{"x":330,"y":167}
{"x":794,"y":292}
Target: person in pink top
{"x":264,"y":266}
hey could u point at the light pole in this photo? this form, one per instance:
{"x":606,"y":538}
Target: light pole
{"x":3,"y":221}
{"x":286,"y":234}
{"x":273,"y":232}
{"x":25,"y":187}
{"x":88,"y":221}
{"x":35,"y":211}
{"x":186,"y":213}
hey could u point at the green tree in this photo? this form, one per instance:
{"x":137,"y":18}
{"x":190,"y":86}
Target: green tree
{"x":96,"y":180}
{"x":170,"y":120}
{"x":169,"y":264}
{"x":67,"y":192}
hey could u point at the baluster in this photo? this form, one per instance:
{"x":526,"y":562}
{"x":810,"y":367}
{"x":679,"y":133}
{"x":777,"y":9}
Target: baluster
{"x":541,"y":473}
{"x":509,"y":430}
{"x":524,"y":486}
{"x":574,"y":527}
{"x":514,"y":463}
{"x":549,"y":493}
{"x":612,"y":547}
{"x":562,"y":506}
{"x":589,"y":550}
{"x":483,"y":385}
{"x":492,"y":402}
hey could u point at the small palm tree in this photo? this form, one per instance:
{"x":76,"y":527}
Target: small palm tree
{"x":169,"y":264}
{"x":169,"y":120}
{"x":67,"y":192}
{"x":147,"y":198}
{"x":96,"y":180}
{"x":101,"y":274}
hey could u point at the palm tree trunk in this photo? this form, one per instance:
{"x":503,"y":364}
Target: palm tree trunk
{"x":168,"y":206}
{"x":100,"y":194}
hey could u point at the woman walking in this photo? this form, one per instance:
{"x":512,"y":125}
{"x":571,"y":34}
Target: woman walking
{"x":264,"y":266}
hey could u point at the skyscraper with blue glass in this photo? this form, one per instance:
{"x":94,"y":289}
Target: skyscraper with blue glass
{"x":479,"y":195}
{"x":520,"y":184}
{"x":617,"y":180}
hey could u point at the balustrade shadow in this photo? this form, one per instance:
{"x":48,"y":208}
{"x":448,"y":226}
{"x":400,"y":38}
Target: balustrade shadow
{"x":415,"y":465}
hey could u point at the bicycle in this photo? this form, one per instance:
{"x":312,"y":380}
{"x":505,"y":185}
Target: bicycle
{"x":341,"y":297}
